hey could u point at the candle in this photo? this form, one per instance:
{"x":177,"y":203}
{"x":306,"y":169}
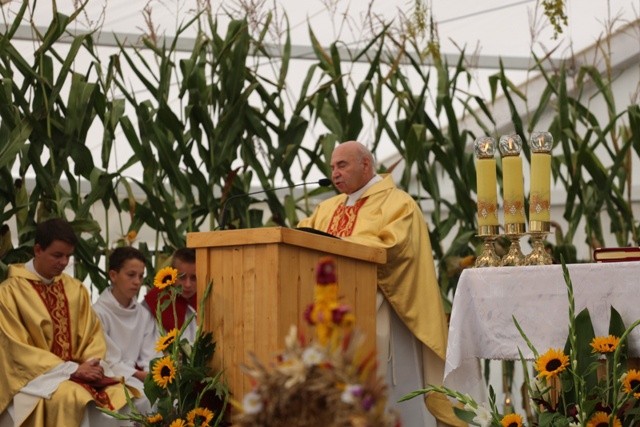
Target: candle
{"x":540,"y":191}
{"x":486,"y":182}
{"x":512,"y":179}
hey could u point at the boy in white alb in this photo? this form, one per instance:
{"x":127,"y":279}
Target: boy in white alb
{"x":130,"y":329}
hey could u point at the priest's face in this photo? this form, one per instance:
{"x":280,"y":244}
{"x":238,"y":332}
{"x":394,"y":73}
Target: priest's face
{"x":186,"y":277}
{"x":350,"y":171}
{"x":52,"y":261}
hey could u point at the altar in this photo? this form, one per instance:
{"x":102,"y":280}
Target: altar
{"x":488,"y":299}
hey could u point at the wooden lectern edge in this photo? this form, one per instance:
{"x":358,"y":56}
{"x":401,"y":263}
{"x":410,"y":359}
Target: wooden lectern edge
{"x":267,"y":235}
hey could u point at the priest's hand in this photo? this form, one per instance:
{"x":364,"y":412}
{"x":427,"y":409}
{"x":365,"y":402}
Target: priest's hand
{"x":89,"y":370}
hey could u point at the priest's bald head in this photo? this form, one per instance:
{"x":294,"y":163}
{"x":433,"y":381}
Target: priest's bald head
{"x":351,"y":166}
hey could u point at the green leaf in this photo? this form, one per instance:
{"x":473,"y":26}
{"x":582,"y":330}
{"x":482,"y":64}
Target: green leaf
{"x":17,"y":138}
{"x":584,"y":355}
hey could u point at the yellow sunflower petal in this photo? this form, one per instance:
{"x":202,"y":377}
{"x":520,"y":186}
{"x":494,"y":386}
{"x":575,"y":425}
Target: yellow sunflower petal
{"x":602,"y":419}
{"x":178,"y":423}
{"x":165,"y":341}
{"x":165,"y":277}
{"x":511,"y":420}
{"x":155,"y":418}
{"x":605,"y":344}
{"x":164,"y":372}
{"x":631,"y":383}
{"x":200,"y":417}
{"x":552,"y":363}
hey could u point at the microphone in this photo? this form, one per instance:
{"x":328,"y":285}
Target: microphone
{"x":323,"y":182}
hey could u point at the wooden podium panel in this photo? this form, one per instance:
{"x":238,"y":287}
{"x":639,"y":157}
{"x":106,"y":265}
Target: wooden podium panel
{"x":263,"y":279}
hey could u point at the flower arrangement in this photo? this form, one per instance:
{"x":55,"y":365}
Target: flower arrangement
{"x":181,"y":387}
{"x":588,"y":383}
{"x":329,"y":381}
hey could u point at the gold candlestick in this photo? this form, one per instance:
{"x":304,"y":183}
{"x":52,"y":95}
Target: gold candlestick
{"x":538,"y":255}
{"x":514,"y":257}
{"x":488,"y":257}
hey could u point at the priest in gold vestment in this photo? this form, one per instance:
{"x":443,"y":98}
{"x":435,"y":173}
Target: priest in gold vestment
{"x":52,"y":341}
{"x":411,"y":324}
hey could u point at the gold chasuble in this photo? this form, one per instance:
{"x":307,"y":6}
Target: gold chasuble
{"x":42,"y":326}
{"x":386,"y":217}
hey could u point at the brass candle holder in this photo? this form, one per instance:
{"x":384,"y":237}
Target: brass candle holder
{"x":488,"y":257}
{"x":513,"y":194}
{"x":538,"y":255}
{"x":514,"y":257}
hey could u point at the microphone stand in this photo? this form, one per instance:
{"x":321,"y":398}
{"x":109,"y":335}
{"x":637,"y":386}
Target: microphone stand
{"x":323,"y":182}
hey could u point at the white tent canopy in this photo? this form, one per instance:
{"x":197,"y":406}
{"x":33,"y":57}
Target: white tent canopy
{"x":490,"y":33}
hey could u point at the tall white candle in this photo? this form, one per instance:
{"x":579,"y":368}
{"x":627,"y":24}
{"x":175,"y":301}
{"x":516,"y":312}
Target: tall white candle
{"x":540,"y":188}
{"x":512,"y":179}
{"x":486,"y":182}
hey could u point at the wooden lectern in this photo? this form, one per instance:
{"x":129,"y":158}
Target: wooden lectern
{"x":263,"y":279}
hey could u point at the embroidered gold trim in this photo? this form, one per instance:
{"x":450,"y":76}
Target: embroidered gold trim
{"x":55,"y":300}
{"x":344,"y":219}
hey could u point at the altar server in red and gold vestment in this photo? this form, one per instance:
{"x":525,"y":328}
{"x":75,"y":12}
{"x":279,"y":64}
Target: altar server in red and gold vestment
{"x":184,"y":261}
{"x":411,"y":324}
{"x":52,"y":342}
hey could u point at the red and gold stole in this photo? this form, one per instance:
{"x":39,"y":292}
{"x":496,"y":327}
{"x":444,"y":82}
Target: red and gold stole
{"x":55,"y":300}
{"x":156,"y":297}
{"x":344,"y":219}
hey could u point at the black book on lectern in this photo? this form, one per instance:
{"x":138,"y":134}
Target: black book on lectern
{"x":314,"y":231}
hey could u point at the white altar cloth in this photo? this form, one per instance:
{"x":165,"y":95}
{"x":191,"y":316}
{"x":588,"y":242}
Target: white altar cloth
{"x":482,"y":325}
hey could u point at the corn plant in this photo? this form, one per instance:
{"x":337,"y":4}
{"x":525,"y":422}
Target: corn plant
{"x":211,"y":123}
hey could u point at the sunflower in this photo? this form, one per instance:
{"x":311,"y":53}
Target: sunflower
{"x":551,"y":363}
{"x":165,"y":341}
{"x":200,"y":417}
{"x":155,"y":418}
{"x":178,"y":423}
{"x":511,"y":420}
{"x":631,"y":383}
{"x":601,"y":419}
{"x":164,"y":372}
{"x":165,"y":277}
{"x":605,"y":344}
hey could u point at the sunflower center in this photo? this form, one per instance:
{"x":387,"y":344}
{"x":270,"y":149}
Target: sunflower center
{"x":603,"y":424}
{"x":634,"y":384}
{"x":165,"y":371}
{"x":513,"y":424}
{"x":166,"y":278}
{"x":553,"y":364}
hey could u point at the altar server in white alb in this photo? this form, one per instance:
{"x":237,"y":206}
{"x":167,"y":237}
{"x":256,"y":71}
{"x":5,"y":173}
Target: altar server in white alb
{"x":130,"y":329}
